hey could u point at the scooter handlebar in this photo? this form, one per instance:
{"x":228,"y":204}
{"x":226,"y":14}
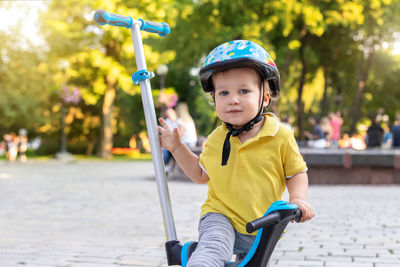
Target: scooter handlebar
{"x":270,"y":219}
{"x":162,"y":29}
{"x":102,"y":17}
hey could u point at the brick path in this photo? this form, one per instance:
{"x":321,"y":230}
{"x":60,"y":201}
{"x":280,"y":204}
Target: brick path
{"x":107,"y":214}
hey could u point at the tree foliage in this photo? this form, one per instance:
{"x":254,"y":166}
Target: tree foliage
{"x":331,"y":56}
{"x":24,"y":81}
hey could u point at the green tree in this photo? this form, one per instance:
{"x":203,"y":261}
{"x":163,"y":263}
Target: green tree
{"x":329,"y":55}
{"x":289,"y":30}
{"x":101,"y":58}
{"x":382,"y":90}
{"x":24,"y":84}
{"x":381,"y":20}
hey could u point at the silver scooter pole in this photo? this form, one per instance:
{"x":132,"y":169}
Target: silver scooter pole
{"x":143,"y":78}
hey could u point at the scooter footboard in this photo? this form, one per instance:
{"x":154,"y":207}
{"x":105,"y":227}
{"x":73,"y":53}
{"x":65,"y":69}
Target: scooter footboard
{"x":178,"y":254}
{"x":173,"y":249}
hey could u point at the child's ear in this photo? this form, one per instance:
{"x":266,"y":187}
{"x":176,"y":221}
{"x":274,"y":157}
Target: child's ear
{"x":267,"y":98}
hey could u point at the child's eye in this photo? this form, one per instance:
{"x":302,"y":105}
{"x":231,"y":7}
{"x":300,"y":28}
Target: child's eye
{"x":223,"y":93}
{"x":244,"y":91}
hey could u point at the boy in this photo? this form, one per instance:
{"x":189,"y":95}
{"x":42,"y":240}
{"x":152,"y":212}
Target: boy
{"x":259,"y":155}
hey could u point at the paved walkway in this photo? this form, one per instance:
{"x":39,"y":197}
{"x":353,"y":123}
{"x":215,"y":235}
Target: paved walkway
{"x":107,"y":214}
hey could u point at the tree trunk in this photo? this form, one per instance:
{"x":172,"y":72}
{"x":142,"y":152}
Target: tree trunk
{"x":361,"y":88}
{"x":300,"y":105}
{"x":91,"y":141}
{"x":283,"y":70}
{"x":106,"y":135}
{"x":324,"y":102}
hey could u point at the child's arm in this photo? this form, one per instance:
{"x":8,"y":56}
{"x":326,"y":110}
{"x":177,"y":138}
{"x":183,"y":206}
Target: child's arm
{"x":297,"y":187}
{"x":187,"y":160}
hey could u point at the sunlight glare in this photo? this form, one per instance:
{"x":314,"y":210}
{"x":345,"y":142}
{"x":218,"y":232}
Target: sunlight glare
{"x":396,"y":48}
{"x":25,"y":14}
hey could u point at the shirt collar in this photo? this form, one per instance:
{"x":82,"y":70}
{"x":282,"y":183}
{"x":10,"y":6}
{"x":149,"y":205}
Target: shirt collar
{"x":270,"y":127}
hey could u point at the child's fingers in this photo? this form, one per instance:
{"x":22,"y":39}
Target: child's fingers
{"x":307,"y":213}
{"x":163,"y":123}
{"x":304,"y":214}
{"x":176,"y":132}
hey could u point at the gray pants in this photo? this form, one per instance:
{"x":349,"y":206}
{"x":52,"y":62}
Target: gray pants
{"x":218,"y":240}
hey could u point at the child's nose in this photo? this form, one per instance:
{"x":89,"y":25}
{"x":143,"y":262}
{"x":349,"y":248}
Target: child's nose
{"x":234,"y":99}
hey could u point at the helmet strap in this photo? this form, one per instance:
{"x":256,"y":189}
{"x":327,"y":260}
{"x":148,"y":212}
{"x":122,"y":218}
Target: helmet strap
{"x":236,"y":132}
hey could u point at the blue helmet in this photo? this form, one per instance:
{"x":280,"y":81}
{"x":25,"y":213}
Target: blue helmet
{"x":238,"y":54}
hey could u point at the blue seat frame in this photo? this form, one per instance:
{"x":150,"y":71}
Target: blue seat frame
{"x":270,"y":228}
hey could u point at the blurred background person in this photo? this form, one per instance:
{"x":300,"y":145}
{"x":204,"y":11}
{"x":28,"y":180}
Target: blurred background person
{"x":374,"y":134}
{"x":387,"y":136}
{"x":336,"y":122}
{"x":6,"y":140}
{"x":189,"y":135}
{"x":327,"y":129}
{"x":317,"y":137}
{"x":12,"y":146}
{"x":358,"y":142}
{"x":396,"y":132}
{"x":22,"y":144}
{"x":345,"y":141}
{"x":22,"y":147}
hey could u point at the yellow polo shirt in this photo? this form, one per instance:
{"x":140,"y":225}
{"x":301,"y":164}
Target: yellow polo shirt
{"x":254,"y":176}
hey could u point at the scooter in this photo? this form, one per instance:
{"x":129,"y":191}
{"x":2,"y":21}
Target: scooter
{"x":270,"y":227}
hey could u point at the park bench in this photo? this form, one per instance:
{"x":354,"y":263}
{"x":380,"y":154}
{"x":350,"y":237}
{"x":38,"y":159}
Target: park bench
{"x":347,"y":166}
{"x":335,"y":166}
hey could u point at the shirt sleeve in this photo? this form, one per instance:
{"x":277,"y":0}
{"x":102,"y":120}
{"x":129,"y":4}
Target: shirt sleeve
{"x":210,"y":151}
{"x":204,"y":155}
{"x":293,"y":162}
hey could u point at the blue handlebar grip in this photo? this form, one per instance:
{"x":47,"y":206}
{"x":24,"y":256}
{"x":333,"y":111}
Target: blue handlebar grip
{"x":161,"y":29}
{"x":102,"y":17}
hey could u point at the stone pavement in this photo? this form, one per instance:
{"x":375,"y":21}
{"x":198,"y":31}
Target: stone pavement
{"x":107,"y":214}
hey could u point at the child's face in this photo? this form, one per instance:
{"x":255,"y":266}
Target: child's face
{"x":237,"y":95}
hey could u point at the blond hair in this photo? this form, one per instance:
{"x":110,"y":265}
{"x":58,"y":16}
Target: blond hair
{"x":182,"y":111}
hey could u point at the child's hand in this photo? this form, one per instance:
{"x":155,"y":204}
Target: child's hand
{"x":307,"y":212}
{"x":170,"y":139}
